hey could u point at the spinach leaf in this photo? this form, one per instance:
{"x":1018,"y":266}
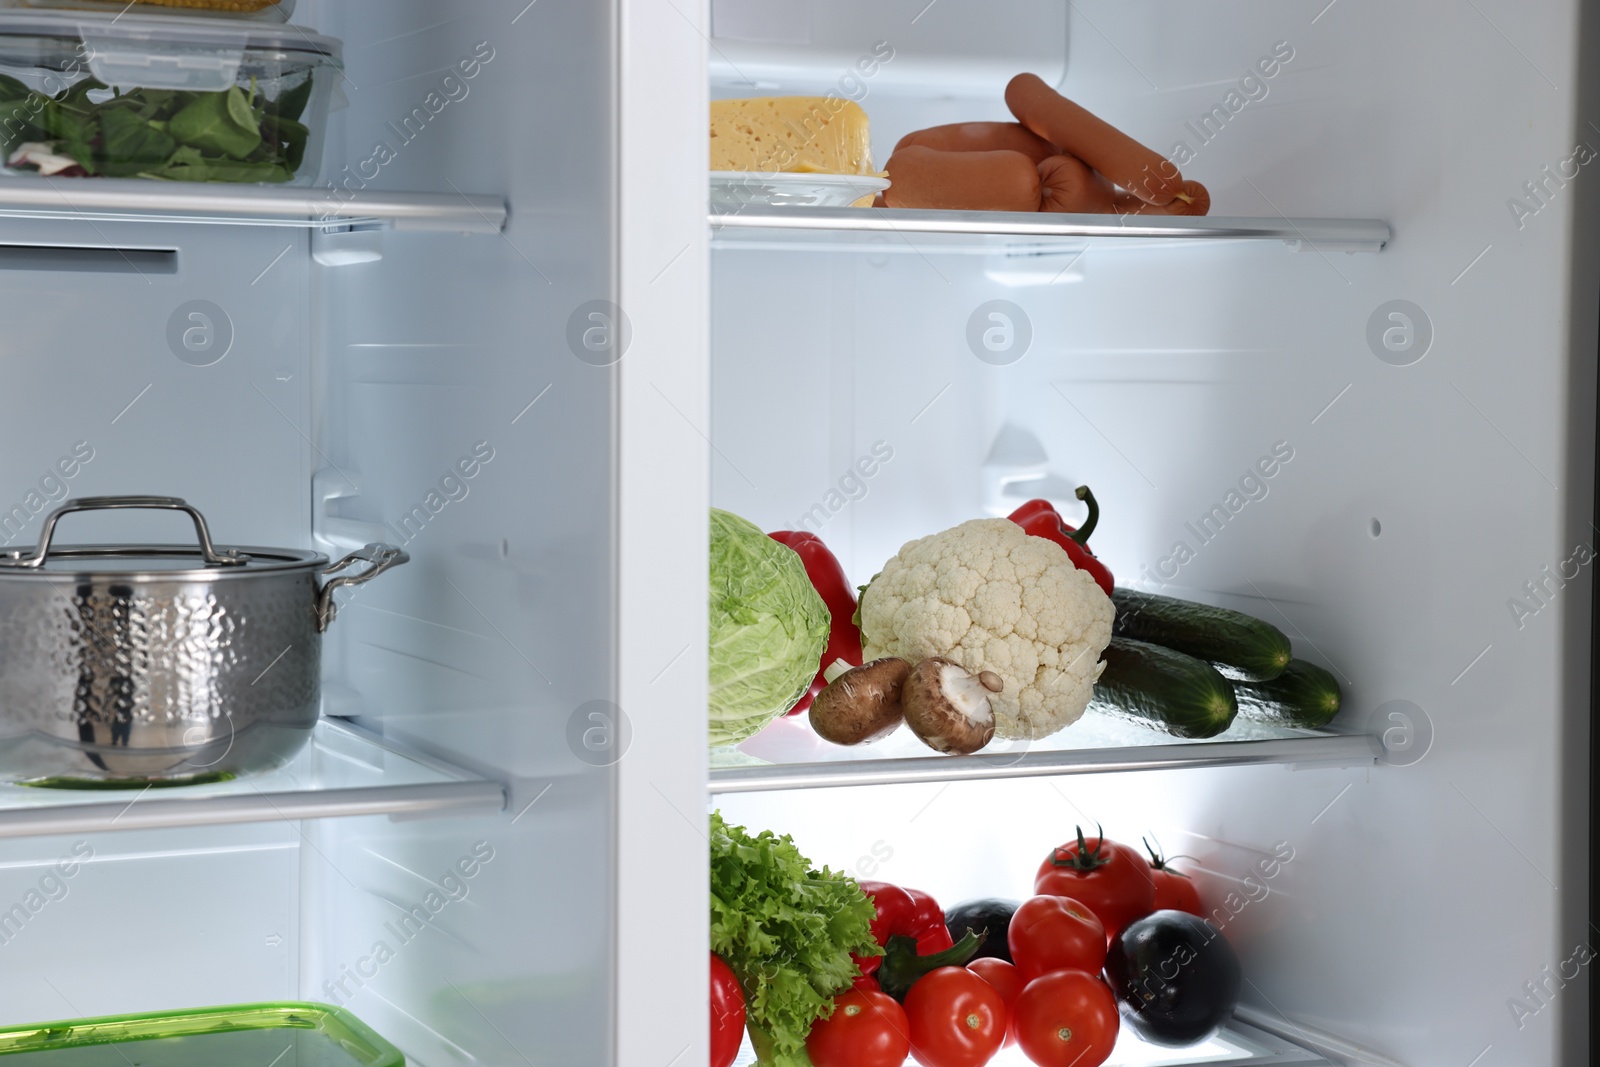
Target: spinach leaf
{"x":12,"y":89}
{"x":188,"y":164}
{"x":292,"y":102}
{"x":218,"y":122}
{"x":66,"y":123}
{"x":126,"y":138}
{"x":19,"y":122}
{"x":293,"y":137}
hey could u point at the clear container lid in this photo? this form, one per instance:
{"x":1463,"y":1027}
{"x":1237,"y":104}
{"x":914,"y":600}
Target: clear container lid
{"x":159,"y":51}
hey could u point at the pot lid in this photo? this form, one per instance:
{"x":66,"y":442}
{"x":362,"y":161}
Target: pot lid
{"x":161,"y":562}
{"x":202,"y":560}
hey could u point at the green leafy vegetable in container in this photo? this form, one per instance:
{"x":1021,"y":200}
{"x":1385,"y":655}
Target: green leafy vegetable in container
{"x":788,"y":933}
{"x":234,"y":135}
{"x":768,"y":628}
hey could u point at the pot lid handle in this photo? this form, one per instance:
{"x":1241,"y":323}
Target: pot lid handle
{"x":36,"y":558}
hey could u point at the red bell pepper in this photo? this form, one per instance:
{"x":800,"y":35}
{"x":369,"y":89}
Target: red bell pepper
{"x":1039,"y":518}
{"x":727,"y":1013}
{"x":905,"y":913}
{"x":828,"y":579}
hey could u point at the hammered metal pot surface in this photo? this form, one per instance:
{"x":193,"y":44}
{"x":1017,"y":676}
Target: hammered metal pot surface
{"x":110,"y":676}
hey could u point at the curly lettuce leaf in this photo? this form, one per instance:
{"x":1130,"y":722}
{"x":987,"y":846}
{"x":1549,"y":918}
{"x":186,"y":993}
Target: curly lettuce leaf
{"x":788,"y":933}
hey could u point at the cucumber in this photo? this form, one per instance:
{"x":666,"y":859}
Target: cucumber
{"x":1159,"y":687}
{"x":1241,"y":647}
{"x":1303,"y":695}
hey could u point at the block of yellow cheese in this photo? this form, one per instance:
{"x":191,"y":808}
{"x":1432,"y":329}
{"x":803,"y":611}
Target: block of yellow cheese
{"x":797,"y":134}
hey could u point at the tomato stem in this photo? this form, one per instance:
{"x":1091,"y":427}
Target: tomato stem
{"x":1164,"y":863}
{"x":1084,"y":859}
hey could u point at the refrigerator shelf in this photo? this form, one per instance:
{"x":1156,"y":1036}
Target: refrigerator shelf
{"x":788,"y":755}
{"x":1238,"y":1044}
{"x":135,"y":200}
{"x":342,"y":771}
{"x":1031,"y":232}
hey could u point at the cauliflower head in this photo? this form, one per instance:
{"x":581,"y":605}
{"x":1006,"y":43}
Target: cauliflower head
{"x":991,"y":598}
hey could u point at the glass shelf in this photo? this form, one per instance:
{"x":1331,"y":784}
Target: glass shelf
{"x":789,"y":755}
{"x":134,"y":200}
{"x":1237,"y":1045}
{"x":343,"y":771}
{"x":1018,"y":233}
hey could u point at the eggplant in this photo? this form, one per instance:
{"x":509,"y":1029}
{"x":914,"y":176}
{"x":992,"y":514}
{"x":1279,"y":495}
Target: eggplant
{"x":989,"y":918}
{"x":1175,"y":976}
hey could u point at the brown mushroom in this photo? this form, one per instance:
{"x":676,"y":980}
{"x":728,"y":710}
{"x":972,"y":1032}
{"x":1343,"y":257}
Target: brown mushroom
{"x":948,"y":708}
{"x":862,"y":704}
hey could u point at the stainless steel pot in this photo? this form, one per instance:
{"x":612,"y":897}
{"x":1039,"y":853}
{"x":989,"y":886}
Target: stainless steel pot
{"x":162,"y":663}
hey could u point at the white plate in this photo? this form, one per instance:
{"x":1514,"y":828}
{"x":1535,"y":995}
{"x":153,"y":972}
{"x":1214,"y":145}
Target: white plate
{"x":735,"y":189}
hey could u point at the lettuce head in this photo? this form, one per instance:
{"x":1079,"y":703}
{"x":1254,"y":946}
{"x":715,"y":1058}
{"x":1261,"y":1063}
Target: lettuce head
{"x":768,"y":628}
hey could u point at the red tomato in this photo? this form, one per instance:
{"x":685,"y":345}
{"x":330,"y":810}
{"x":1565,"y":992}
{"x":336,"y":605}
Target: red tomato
{"x":1066,"y":1019}
{"x":1007,"y":981}
{"x":727,"y":1013}
{"x":1111,"y":880}
{"x":1176,"y":891}
{"x":1055,"y":934}
{"x":957,"y":1019}
{"x":866,"y":1029}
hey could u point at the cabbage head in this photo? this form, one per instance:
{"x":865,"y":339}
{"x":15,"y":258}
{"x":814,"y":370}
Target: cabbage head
{"x":768,"y":629}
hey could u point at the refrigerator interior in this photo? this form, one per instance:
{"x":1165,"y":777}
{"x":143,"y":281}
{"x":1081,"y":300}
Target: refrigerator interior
{"x":850,"y":399}
{"x":367,"y":373}
{"x":1418,"y":501}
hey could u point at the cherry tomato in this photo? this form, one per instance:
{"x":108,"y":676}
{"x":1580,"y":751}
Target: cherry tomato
{"x":866,"y":1029}
{"x":1007,"y":981}
{"x":957,"y":1019}
{"x":1056,"y":934}
{"x":727,"y":1013}
{"x":1176,"y":892}
{"x":1066,"y":1019}
{"x":1111,"y":880}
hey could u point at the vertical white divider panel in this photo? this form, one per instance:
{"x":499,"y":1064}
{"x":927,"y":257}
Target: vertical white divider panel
{"x":664,"y":487}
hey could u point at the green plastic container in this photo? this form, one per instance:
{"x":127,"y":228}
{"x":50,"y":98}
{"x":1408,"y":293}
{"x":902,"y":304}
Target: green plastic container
{"x":284,"y":1034}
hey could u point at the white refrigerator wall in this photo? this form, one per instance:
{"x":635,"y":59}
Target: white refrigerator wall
{"x":1407,"y":508}
{"x":417,"y":389}
{"x":462,"y":420}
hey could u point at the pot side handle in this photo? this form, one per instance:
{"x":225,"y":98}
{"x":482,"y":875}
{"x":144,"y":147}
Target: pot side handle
{"x":378,"y":557}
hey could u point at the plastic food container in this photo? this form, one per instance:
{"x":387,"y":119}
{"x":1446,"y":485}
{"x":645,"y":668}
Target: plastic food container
{"x":165,"y":98}
{"x":732,"y":190}
{"x":305,"y":1035}
{"x":270,"y":10}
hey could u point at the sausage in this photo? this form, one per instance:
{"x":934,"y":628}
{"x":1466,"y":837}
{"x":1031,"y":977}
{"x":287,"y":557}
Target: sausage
{"x":1142,"y":172}
{"x":1068,"y":184}
{"x":999,"y":180}
{"x":982,"y":137}
{"x":1194,"y":200}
